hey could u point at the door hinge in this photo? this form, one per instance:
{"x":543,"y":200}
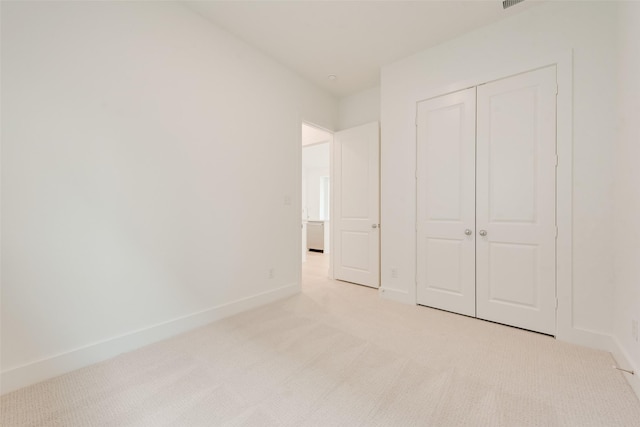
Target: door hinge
{"x":556,"y":159}
{"x":556,"y":231}
{"x":556,"y":303}
{"x":556,"y":88}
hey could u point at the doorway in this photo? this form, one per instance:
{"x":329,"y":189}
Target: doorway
{"x":316,"y":192}
{"x":340,"y":200}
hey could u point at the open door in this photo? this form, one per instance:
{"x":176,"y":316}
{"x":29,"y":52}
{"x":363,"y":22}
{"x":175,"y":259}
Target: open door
{"x":357,"y":205}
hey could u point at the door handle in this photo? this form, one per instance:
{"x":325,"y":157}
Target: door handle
{"x":468,"y":232}
{"x":375,"y":225}
{"x":483,"y":233}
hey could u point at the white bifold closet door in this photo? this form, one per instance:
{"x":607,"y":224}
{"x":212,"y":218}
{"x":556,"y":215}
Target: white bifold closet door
{"x":511,"y":231}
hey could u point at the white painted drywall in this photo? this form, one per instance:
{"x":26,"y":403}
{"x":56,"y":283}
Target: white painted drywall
{"x":589,"y":28}
{"x":315,"y":164}
{"x":138,"y":140}
{"x":627,"y":187}
{"x":313,"y":192}
{"x":358,"y":109}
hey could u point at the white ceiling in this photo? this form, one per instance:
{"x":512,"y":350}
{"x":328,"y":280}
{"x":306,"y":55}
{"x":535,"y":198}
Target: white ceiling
{"x":351,"y":39}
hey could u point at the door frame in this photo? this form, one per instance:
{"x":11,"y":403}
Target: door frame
{"x":563,"y":60}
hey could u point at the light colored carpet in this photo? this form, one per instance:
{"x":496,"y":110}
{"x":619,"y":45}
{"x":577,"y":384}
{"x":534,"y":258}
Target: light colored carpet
{"x":337,"y":355}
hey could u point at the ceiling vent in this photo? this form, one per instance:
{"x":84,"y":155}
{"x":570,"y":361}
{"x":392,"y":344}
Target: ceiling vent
{"x":509,"y":3}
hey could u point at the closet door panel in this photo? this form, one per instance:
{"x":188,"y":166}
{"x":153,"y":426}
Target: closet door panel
{"x":445,"y":174}
{"x":515,"y":191}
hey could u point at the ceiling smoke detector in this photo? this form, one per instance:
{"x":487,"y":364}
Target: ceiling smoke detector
{"x":332,"y":77}
{"x":509,"y":3}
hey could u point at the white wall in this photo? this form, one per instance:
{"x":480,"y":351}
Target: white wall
{"x":313,"y":176}
{"x":315,"y":164}
{"x":358,"y":109}
{"x":627,"y":189}
{"x":137,"y":141}
{"x":589,"y":28}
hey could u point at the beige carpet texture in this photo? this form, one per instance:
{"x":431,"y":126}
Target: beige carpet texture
{"x":337,"y":355}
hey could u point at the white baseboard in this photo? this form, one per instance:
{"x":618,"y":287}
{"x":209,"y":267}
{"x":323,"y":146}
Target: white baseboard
{"x":624,"y":361}
{"x":585,"y":338}
{"x":609,"y":344}
{"x":394,"y":295}
{"x":59,"y":364}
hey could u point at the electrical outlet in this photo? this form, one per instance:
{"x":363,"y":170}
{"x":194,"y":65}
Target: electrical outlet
{"x":272,"y":273}
{"x":634,"y":329}
{"x":287,"y":200}
{"x":394,"y":273}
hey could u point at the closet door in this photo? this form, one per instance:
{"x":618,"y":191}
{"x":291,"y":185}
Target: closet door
{"x":445,"y":174}
{"x":515,"y":218}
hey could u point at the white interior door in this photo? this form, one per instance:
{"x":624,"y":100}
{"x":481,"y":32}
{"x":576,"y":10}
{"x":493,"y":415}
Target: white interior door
{"x":357,"y":205}
{"x":445,"y":174}
{"x":515,"y":216}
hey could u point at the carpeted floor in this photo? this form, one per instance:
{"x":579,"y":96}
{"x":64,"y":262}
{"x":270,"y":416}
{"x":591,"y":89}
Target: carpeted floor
{"x":337,"y":355}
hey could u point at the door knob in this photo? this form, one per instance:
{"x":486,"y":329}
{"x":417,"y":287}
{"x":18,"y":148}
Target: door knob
{"x":374,"y":225}
{"x":468,"y":232}
{"x":483,"y":233}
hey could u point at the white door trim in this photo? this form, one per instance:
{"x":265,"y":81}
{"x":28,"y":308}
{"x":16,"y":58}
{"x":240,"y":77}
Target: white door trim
{"x":565,"y":329}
